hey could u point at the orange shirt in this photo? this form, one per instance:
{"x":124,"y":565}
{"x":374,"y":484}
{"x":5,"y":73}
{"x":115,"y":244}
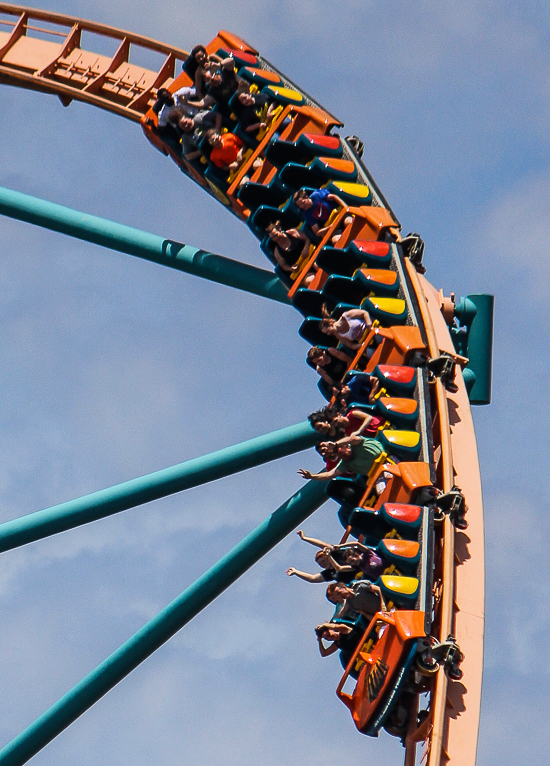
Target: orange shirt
{"x":226,"y":154}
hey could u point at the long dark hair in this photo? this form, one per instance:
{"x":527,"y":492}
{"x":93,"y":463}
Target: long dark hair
{"x":195,"y":50}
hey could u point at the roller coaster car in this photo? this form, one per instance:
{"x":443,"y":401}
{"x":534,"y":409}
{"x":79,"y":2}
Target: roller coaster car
{"x":317,"y":172}
{"x":398,"y":411}
{"x":404,"y":554}
{"x":387,"y":310}
{"x":362,"y":242}
{"x":396,"y":345}
{"x":347,"y":262}
{"x":381,"y":282}
{"x":406,"y":483}
{"x":374,"y":526}
{"x":303,"y":149}
{"x":388,"y":652}
{"x":404,"y":445}
{"x":384,"y":310}
{"x":296,"y":119}
{"x":395,"y":378}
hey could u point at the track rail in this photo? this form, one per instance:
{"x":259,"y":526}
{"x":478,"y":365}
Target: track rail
{"x":44,"y":51}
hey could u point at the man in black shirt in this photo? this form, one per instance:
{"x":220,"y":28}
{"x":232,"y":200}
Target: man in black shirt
{"x":253,"y":112}
{"x":223,"y":83}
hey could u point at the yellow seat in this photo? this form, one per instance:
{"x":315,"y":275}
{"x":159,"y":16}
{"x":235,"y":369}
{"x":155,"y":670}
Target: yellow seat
{"x":285,"y":95}
{"x":405,"y":586}
{"x":403,"y":444}
{"x":392,"y":311}
{"x":352,"y":193}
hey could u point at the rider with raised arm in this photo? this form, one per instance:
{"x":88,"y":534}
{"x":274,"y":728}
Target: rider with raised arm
{"x":355,"y":554}
{"x":332,"y":570}
{"x":357,"y":454}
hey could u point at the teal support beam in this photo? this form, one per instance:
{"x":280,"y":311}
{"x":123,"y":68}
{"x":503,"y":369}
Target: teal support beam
{"x":162,"y":627}
{"x":151,"y":247}
{"x":192,"y":473}
{"x":480,"y":348}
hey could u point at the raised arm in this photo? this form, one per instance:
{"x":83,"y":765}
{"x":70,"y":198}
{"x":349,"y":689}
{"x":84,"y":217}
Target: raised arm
{"x":317,"y":577}
{"x":376,"y":385}
{"x":314,"y":541}
{"x":357,"y":545}
{"x":340,"y":567}
{"x":326,"y":651}
{"x":319,"y":476}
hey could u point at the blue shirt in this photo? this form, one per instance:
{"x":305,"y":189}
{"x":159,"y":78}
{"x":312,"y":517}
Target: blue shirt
{"x":321,"y":210}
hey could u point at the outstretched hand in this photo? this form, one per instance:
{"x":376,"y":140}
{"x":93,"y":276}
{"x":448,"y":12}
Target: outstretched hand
{"x":290,"y":571}
{"x":304,"y":473}
{"x":300,"y":533}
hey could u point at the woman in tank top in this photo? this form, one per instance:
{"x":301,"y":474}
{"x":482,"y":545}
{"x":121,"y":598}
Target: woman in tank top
{"x":349,"y":328}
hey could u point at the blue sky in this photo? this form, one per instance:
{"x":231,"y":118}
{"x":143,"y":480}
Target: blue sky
{"x":113,"y":368}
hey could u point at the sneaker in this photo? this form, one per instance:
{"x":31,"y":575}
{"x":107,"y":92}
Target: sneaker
{"x":454,"y":673}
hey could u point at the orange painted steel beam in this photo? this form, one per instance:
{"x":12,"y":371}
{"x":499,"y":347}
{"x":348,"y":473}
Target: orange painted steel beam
{"x":454,"y":727}
{"x":463,"y":698}
{"x":63,"y":67}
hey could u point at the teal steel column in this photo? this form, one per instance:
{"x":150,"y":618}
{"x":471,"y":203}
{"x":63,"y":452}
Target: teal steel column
{"x":151,"y":247}
{"x":480,"y":348}
{"x":164,"y":625}
{"x":192,"y":473}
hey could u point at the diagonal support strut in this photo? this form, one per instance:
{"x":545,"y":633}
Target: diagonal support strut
{"x":191,"y":473}
{"x":151,"y":247}
{"x":162,"y":627}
